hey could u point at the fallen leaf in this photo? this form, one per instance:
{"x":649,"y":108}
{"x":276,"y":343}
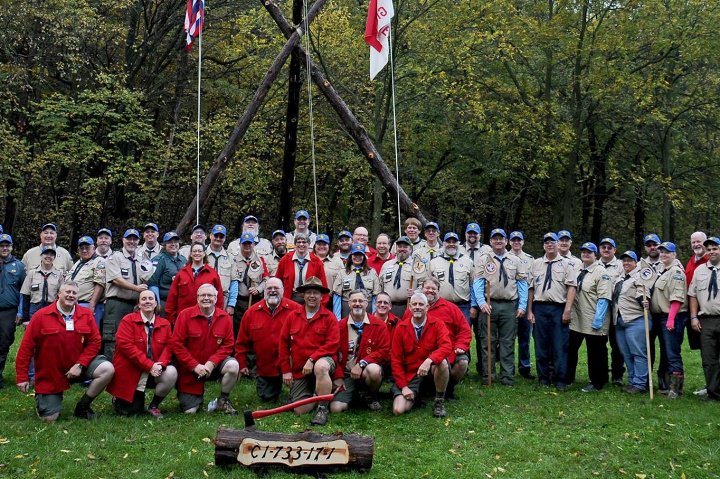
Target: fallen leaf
{"x":452,"y":451}
{"x":670,"y":424}
{"x":622,"y":471}
{"x":447,"y":422}
{"x":19,"y":456}
{"x":194,"y":450}
{"x":64,"y":450}
{"x":497,"y":457}
{"x":135,"y":471}
{"x":682,"y":476}
{"x":205,"y":473}
{"x":500,"y":469}
{"x":206,"y":439}
{"x":4,"y":440}
{"x":640,"y":476}
{"x":90,"y":456}
{"x":125,"y":456}
{"x":595,"y":473}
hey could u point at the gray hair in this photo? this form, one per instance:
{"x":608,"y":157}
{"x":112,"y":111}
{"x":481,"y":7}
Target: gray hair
{"x":208,"y":286}
{"x":359,"y":291}
{"x":421,"y":297}
{"x":433,"y":280}
{"x":301,"y":236}
{"x":70,"y":283}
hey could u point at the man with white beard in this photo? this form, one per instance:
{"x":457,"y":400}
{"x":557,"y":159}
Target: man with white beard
{"x":454,"y":271}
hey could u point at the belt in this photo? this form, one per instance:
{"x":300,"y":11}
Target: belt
{"x":551,"y":303}
{"x":122,"y":300}
{"x":507,"y":301}
{"x":709,"y":316}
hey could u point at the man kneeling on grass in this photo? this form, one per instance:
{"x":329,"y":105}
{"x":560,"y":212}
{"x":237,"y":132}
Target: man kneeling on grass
{"x":420,"y":347}
{"x":364,"y":349}
{"x":64,"y":341}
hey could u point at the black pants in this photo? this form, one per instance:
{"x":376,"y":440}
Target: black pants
{"x":710,"y":352}
{"x":597,"y":357}
{"x":7,"y":335}
{"x":656,"y":325}
{"x":617,"y":361}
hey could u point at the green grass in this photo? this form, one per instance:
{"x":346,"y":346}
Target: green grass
{"x":519,"y":432}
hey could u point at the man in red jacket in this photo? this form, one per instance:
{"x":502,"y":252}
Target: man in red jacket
{"x":294,"y":269}
{"x":420,"y":347}
{"x":259,"y":332}
{"x":64,"y":341}
{"x":202,"y":343}
{"x":364,"y":350}
{"x":308,"y":348}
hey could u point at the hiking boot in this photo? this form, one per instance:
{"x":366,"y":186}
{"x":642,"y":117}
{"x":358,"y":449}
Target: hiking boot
{"x":155,"y":412}
{"x":527,"y":374}
{"x":617,"y":382}
{"x":321,"y":416}
{"x":439,"y":408}
{"x":84,"y":412}
{"x":675,"y":386}
{"x":507,"y":382}
{"x":224,"y":405}
{"x":374,"y":405}
{"x":633,"y":390}
{"x":589,"y":389}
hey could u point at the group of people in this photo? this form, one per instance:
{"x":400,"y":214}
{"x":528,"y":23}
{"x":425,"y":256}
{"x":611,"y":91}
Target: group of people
{"x":287,"y":310}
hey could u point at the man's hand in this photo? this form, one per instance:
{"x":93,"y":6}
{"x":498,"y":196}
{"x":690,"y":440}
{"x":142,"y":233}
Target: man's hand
{"x":459,"y":351}
{"x":141,"y":287}
{"x":486,"y":308}
{"x":245,"y":372}
{"x":156,"y":370}
{"x":424,"y":368}
{"x":253,"y":291}
{"x":410,"y":292}
{"x":308,"y":367}
{"x":695,"y":324}
{"x":520,"y":313}
{"x":210,"y":366}
{"x":23,"y":387}
{"x":287,"y":379}
{"x":356,"y":372}
{"x":566,"y":316}
{"x":74,"y":372}
{"x":201,"y":371}
{"x":408,"y":394}
{"x":473,"y":312}
{"x":230,"y":310}
{"x":530,"y":317}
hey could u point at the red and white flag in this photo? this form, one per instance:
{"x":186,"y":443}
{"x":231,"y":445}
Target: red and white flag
{"x":377,"y":31}
{"x":194,"y":21}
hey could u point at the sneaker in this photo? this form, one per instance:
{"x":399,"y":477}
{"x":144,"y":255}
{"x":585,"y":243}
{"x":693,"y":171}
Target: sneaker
{"x":155,"y":412}
{"x":561,"y":387}
{"x":224,"y":405}
{"x":84,"y":412}
{"x":527,"y":375}
{"x":321,"y":416}
{"x":617,"y":382}
{"x":507,"y":382}
{"x":633,"y":390}
{"x":375,"y":405}
{"x":439,"y":408}
{"x":701,"y":392}
{"x":589,"y":388}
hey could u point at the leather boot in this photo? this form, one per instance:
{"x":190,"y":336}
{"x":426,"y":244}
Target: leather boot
{"x":674,"y":393}
{"x":663,"y":383}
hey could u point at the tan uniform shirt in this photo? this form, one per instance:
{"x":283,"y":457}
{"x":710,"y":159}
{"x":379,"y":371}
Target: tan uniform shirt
{"x":426,"y":253}
{"x":32,"y":258}
{"x":87,"y":275}
{"x":249,"y":272}
{"x":526,"y":258}
{"x":119,"y":265}
{"x":345,"y":283}
{"x":626,"y":292}
{"x":290,"y":237}
{"x":488,"y":268}
{"x":333,"y":265}
{"x":35,"y":281}
{"x":271,"y":261}
{"x":148,"y":253}
{"x":596,"y":284}
{"x":670,"y":286}
{"x":475,"y":252}
{"x":463,"y":273}
{"x":412,"y":271}
{"x":574,"y":261}
{"x":222,"y":263}
{"x":700,"y":288}
{"x":353,"y":342}
{"x":563,"y":275}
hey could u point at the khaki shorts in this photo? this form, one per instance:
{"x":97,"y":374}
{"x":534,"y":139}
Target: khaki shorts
{"x":268,"y":387}
{"x":305,"y":387}
{"x":51,"y":404}
{"x":420,"y":386}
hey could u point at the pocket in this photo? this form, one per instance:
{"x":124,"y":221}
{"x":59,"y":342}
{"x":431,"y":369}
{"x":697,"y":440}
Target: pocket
{"x":49,"y":331}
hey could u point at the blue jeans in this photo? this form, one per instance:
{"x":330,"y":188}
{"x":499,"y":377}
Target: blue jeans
{"x":551,"y":343}
{"x":524,"y":329}
{"x":465,"y":308}
{"x":98,"y":312}
{"x":673,"y":342}
{"x":631,"y":341}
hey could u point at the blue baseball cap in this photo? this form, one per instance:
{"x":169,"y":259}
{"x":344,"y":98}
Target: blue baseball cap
{"x":651,"y":238}
{"x":357,"y":248}
{"x":198,"y":227}
{"x":49,"y":225}
{"x":668,"y":246}
{"x":219,"y":229}
{"x":249,"y":218}
{"x":247,"y":237}
{"x":131,"y":232}
{"x":564,"y":234}
{"x":48,"y":249}
{"x":609,"y":241}
{"x":589,"y":247}
{"x":550,"y":236}
{"x":432,"y":224}
{"x":278,"y":232}
{"x":498,"y":231}
{"x":106,"y":231}
{"x":517,"y":234}
{"x":322,"y":237}
{"x":451,"y":235}
{"x":151,"y":226}
{"x":344,"y":233}
{"x":302,"y":214}
{"x":86,"y":240}
{"x":474,"y":227}
{"x":6,"y":238}
{"x":712,"y":240}
{"x":629,"y":254}
{"x":403,"y":239}
{"x":170,"y":235}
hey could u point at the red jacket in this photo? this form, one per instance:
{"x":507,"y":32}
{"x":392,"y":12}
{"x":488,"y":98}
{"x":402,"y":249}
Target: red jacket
{"x":260,"y":334}
{"x":183,"y":290}
{"x":455,"y":322}
{"x":692,"y":265}
{"x":286,"y":273}
{"x":374,"y":345}
{"x":302,"y":339}
{"x":376,"y":263}
{"x":408,"y":353}
{"x":391,"y":322}
{"x":194,"y":342}
{"x":130,"y":359}
{"x":55,"y":349}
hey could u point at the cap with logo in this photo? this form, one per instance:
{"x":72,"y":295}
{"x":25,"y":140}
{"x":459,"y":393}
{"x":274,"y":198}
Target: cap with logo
{"x":357,"y":248}
{"x":609,"y":241}
{"x":344,"y":233}
{"x":278,"y":232}
{"x":498,"y":232}
{"x":105,"y":231}
{"x":198,"y":227}
{"x":432,"y":224}
{"x":712,"y":240}
{"x":131,"y":232}
{"x":6,"y":238}
{"x":668,"y":246}
{"x":49,"y":225}
{"x":302,"y":214}
{"x":247,"y":237}
{"x":517,"y":234}
{"x":170,"y":235}
{"x":651,"y":238}
{"x":550,"y":236}
{"x":589,"y":247}
{"x":473,"y":227}
{"x":403,"y":239}
{"x":47,"y":249}
{"x":85,"y":240}
{"x":251,"y":218}
{"x":451,"y":235}
{"x":219,"y":229}
{"x":564,"y":234}
{"x":629,"y":254}
{"x":322,"y":238}
{"x":151,"y":226}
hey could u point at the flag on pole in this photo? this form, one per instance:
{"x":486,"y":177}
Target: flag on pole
{"x":194,"y":21}
{"x":377,"y":32}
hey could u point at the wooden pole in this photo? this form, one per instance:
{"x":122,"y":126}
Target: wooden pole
{"x":490,"y":359}
{"x":647,"y":344}
{"x":250,"y":295}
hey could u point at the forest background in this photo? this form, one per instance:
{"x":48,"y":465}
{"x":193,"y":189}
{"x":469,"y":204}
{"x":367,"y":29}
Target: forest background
{"x":595,"y":116}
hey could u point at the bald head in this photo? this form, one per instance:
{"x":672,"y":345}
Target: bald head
{"x":360,"y":235}
{"x":273,"y":292}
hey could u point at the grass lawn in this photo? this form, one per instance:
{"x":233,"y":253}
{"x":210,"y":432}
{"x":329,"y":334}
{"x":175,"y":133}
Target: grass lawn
{"x":520,"y":432}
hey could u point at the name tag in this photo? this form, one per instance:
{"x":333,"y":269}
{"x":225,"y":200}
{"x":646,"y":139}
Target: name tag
{"x":346,"y":285}
{"x":70,"y":325}
{"x":35,"y":287}
{"x":125,"y":271}
{"x":440,"y":275}
{"x":388,"y":275}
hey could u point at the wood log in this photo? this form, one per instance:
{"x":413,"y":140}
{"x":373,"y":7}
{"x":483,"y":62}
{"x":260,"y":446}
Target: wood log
{"x":307,"y":451}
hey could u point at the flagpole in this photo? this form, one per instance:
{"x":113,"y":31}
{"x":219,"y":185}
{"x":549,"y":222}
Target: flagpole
{"x":395,"y":136}
{"x":197,"y":176}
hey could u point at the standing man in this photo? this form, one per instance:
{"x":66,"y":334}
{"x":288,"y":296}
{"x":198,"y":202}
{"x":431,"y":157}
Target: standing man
{"x":697,"y":240}
{"x":344,"y":243}
{"x":89,"y":277}
{"x":504,"y":277}
{"x":302,"y":226}
{"x":400,"y":276}
{"x":12,"y":275}
{"x":103,"y":240}
{"x":279,"y":248}
{"x":552,"y":294}
{"x":614,"y":269}
{"x":126,"y":276}
{"x":382,"y":254}
{"x":651,"y":242}
{"x":248,"y":284}
{"x":331,"y":262}
{"x":41,"y":285}
{"x":361,"y":235}
{"x":564,"y":245}
{"x":454,"y":271}
{"x":259,"y":332}
{"x":418,"y":356}
{"x":432,"y":246}
{"x":524,"y":328}
{"x":150,"y":249}
{"x":48,"y":237}
{"x":251,"y":224}
{"x":219,"y":259}
{"x":309,"y":343}
{"x":202,"y":344}
{"x":197,"y":235}
{"x":294,"y":269}
{"x":473,"y":247}
{"x":64,"y":341}
{"x":103,"y":249}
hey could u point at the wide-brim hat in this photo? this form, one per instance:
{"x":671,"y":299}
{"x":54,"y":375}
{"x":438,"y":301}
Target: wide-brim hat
{"x":312,"y":282}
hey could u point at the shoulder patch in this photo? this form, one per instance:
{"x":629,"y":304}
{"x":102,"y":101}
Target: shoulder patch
{"x":678,"y":277}
{"x":606,"y":277}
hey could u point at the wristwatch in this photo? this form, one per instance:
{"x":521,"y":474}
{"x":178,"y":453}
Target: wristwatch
{"x":363,"y":363}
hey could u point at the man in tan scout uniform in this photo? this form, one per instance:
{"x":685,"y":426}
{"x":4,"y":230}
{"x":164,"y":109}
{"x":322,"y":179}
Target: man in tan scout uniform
{"x":197,"y":235}
{"x":48,"y":236}
{"x":302,"y":225}
{"x":524,"y":328}
{"x":219,"y":259}
{"x":432,"y":247}
{"x":552,"y":284}
{"x":614,"y":268}
{"x":41,"y":285}
{"x":501,"y":290}
{"x":89,"y":277}
{"x":150,"y":248}
{"x":473,"y":247}
{"x":564,"y":245}
{"x":126,"y":276}
{"x":279,"y":248}
{"x":455,"y":272}
{"x":401,"y":276}
{"x":249,"y":277}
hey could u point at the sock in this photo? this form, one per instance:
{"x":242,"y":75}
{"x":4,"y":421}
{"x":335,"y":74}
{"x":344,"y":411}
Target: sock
{"x":440,"y":396}
{"x":156,"y":400}
{"x":85,"y":401}
{"x":224,"y":395}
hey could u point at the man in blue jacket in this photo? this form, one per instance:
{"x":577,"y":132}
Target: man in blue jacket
{"x":12,"y":275}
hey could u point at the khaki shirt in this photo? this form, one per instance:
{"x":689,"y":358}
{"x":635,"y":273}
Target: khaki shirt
{"x":149,"y":253}
{"x":614,"y":268}
{"x":700,"y":289}
{"x":353,"y":342}
{"x":574,"y":260}
{"x":333,"y":265}
{"x":463,"y":273}
{"x":34,"y":282}
{"x":345,"y":283}
{"x":119,"y":265}
{"x":271,"y":261}
{"x":63,"y":261}
{"x":488,"y":268}
{"x":597,"y":284}
{"x":476,"y":252}
{"x":251,"y":271}
{"x":670,"y":286}
{"x":224,"y":267}
{"x":87,"y":275}
{"x":412,"y":271}
{"x":626,"y":292}
{"x":425,"y":253}
{"x":524,"y":257}
{"x":563,"y":275}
